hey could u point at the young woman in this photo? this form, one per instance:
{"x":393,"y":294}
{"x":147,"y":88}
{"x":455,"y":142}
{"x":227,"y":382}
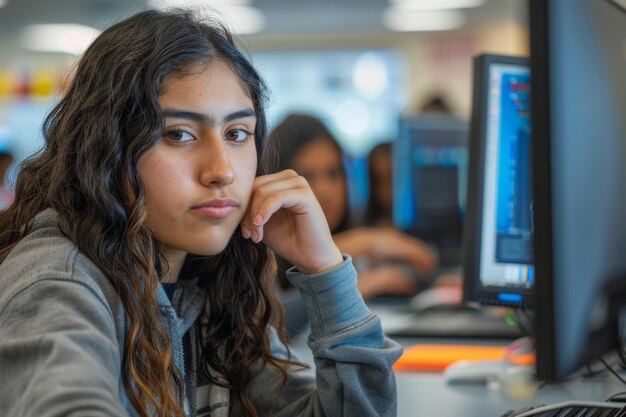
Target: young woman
{"x":389,"y":260}
{"x":135,"y":262}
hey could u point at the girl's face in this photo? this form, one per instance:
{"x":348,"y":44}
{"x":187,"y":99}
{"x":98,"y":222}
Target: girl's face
{"x":320,"y":163}
{"x":198,"y":179}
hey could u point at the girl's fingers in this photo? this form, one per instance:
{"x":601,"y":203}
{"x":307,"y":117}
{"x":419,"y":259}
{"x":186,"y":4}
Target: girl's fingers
{"x":272,"y":187}
{"x":284,"y":214}
{"x":290,"y":198}
{"x":278,"y":176}
{"x":260,"y":191}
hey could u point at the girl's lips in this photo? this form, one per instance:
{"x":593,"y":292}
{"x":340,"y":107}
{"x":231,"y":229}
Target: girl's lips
{"x":216,"y":212}
{"x":217,"y":209}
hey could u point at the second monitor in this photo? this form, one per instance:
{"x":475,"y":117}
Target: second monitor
{"x":498,"y":262}
{"x":430,"y":181}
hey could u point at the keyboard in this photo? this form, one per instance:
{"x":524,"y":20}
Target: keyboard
{"x":475,"y":323}
{"x":572,"y":409}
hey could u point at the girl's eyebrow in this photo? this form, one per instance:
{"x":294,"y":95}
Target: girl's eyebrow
{"x":205,"y":118}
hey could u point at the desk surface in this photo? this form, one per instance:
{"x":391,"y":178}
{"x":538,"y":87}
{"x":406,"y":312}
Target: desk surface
{"x":427,"y":394}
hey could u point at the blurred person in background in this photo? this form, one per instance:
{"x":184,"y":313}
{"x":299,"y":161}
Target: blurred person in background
{"x":379,"y":207}
{"x":436,"y":104}
{"x":378,"y":210}
{"x":385,"y":257}
{"x":6,"y":191}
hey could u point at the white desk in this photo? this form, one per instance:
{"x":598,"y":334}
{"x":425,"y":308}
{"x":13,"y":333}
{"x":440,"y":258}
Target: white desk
{"x":428,"y":395}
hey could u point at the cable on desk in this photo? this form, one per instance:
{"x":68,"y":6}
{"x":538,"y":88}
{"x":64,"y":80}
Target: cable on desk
{"x":589,"y":373}
{"x":543,"y":384}
{"x":593,"y":372}
{"x":615,"y":397}
{"x":613,"y":371}
{"x":620,"y":353}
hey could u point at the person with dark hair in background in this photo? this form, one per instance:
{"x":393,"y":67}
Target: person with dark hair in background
{"x":378,"y":210}
{"x":303,"y":143}
{"x":436,"y":104}
{"x":6,"y":192}
{"x":136,"y":262}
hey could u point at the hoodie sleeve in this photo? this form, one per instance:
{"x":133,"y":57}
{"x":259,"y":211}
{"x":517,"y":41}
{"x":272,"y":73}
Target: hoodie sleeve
{"x":59,"y":355}
{"x":353,"y":358}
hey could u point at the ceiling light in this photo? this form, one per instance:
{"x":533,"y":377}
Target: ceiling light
{"x":437,"y":4}
{"x":410,"y":20}
{"x":67,"y":38}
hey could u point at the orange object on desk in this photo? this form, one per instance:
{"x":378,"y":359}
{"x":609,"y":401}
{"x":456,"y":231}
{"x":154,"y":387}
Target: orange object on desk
{"x":435,"y":358}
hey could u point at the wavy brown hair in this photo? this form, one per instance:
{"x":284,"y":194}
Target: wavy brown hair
{"x":87,"y":172}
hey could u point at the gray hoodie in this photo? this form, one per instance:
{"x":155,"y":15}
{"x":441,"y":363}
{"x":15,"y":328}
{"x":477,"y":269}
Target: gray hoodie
{"x":63,"y":326}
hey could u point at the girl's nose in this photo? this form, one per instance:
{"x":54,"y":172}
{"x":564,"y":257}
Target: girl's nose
{"x":217,"y":168}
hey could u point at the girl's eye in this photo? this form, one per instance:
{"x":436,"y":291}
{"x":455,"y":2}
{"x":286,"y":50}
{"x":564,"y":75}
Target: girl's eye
{"x":179,"y":136}
{"x":237,"y":135}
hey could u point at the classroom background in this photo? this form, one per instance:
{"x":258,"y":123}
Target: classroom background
{"x":359,"y":65}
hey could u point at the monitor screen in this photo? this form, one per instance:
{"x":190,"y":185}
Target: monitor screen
{"x":498,"y":247}
{"x":430,"y":181}
{"x":578,"y":51}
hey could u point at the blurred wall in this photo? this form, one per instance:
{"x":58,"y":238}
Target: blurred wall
{"x":436,"y":62}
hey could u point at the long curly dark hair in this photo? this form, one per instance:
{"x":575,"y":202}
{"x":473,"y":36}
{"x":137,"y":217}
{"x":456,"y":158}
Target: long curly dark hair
{"x":87,"y":172}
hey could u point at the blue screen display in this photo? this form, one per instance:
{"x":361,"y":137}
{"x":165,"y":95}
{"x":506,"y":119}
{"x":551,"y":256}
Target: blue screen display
{"x":507,"y":226}
{"x":514,"y":192}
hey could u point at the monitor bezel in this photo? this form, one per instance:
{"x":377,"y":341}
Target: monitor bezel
{"x":473,"y":290}
{"x":542,"y":189}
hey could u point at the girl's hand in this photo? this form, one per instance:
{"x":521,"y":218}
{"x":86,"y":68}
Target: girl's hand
{"x":284,"y":213}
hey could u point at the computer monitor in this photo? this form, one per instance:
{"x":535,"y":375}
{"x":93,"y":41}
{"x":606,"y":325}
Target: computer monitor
{"x":430,"y":181}
{"x":578,"y":65}
{"x":498,"y":254}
